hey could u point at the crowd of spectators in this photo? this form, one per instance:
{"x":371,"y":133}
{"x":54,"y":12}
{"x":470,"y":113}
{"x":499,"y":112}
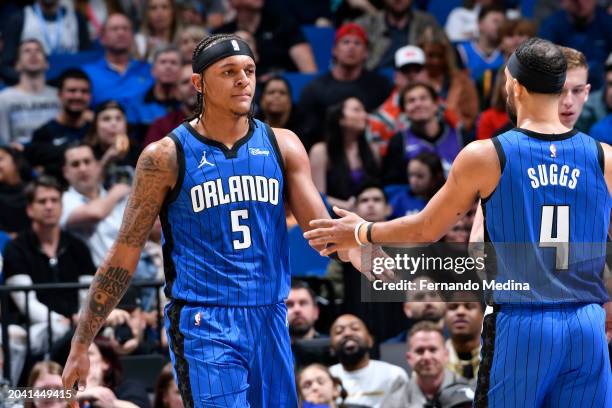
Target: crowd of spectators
{"x":86,"y":85}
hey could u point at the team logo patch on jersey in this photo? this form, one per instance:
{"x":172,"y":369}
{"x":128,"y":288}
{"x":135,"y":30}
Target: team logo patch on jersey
{"x":255,"y":151}
{"x":204,"y":161}
{"x":553,"y":151}
{"x":197,"y":318}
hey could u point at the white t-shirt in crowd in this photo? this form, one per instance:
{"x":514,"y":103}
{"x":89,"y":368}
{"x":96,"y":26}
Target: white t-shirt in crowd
{"x":98,"y":236}
{"x":369,"y":385}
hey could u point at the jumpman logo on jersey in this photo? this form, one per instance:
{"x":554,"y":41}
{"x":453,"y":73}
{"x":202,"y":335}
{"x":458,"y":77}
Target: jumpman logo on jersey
{"x":204,"y":160}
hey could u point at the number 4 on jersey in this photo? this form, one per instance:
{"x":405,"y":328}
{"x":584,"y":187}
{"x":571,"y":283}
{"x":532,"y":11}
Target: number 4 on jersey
{"x":561,"y":240}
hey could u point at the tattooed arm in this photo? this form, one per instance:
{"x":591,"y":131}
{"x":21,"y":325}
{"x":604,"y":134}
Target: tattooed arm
{"x":156,"y":174}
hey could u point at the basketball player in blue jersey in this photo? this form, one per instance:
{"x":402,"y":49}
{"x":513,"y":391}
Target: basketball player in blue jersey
{"x":218,"y":183}
{"x":542,"y":185}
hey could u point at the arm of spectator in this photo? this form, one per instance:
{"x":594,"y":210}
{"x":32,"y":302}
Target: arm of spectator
{"x":37,"y":310}
{"x":318,"y":166}
{"x":98,"y":209}
{"x":302,"y":56}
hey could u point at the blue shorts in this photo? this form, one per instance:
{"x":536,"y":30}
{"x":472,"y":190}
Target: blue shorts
{"x":545,"y":356}
{"x":231,"y":356}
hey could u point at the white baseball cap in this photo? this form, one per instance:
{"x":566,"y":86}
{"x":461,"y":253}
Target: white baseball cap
{"x":409,"y":54}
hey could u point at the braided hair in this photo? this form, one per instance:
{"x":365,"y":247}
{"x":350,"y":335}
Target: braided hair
{"x":203,"y":45}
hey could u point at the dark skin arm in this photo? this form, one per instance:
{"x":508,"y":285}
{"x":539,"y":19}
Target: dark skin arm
{"x":302,"y":195}
{"x":156,"y":174}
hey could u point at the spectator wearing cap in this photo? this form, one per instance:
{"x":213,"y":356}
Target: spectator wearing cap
{"x":347,"y":78}
{"x":117,"y":75}
{"x":281,"y":44}
{"x":482,"y":56}
{"x":393,"y":27}
{"x":585,"y":26}
{"x":431,"y":382}
{"x":388,"y":119}
{"x":599,"y":104}
{"x":31,"y":103}
{"x":71,"y":123}
{"x":59,"y":29}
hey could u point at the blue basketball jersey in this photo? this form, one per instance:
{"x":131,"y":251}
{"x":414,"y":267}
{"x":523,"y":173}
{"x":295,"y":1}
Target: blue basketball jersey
{"x":225,"y":236}
{"x":478,"y":63}
{"x":548,"y":218}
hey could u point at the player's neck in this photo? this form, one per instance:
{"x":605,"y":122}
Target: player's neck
{"x":223,"y":127}
{"x":538,"y":116}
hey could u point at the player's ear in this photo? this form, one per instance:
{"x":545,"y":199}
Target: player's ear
{"x":196,"y":80}
{"x":587,"y":90}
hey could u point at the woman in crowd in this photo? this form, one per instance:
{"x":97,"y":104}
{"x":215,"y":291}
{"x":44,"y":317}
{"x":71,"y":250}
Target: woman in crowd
{"x":345,"y":159}
{"x":105,"y":385}
{"x":318,"y":388}
{"x":166,"y":392}
{"x":159,"y":28}
{"x":275,"y":104}
{"x":454,"y":86}
{"x":513,"y":33}
{"x":188,"y":39}
{"x":46,"y":375}
{"x":111,"y":145}
{"x":425,"y":178}
{"x":14,"y":172}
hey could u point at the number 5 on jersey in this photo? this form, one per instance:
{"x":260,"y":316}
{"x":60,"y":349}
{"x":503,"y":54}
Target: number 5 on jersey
{"x":236,"y":216}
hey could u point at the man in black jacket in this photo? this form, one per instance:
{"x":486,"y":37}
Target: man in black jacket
{"x":46,"y":254}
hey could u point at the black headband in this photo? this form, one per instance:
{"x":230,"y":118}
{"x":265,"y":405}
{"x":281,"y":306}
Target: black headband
{"x":535,"y":81}
{"x":222,"y":49}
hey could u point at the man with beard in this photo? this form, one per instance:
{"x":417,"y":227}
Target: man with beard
{"x":366,"y":381}
{"x":427,"y":357}
{"x":535,"y":337}
{"x":302,"y":312}
{"x":464,"y":322}
{"x":71,"y":124}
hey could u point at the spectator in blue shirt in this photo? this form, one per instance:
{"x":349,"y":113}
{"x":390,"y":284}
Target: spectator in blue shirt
{"x":586,"y":27}
{"x":117,"y":76}
{"x":159,"y":98}
{"x":482,"y":57}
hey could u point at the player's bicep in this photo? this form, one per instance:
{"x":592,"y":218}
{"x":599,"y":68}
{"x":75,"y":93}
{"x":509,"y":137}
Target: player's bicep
{"x":156,"y":173}
{"x":303,"y":197}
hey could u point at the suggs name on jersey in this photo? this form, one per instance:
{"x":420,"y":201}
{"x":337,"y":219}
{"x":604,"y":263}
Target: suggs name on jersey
{"x":551,"y":175}
{"x":240,"y":188}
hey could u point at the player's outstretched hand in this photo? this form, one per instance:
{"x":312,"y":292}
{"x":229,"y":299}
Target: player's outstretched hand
{"x":76,"y":370}
{"x":334,"y":235}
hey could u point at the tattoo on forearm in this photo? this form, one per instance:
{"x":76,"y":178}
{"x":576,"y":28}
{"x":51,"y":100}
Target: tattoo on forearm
{"x":107,"y":289}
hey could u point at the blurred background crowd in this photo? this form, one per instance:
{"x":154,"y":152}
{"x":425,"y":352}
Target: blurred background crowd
{"x":383,"y":95}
